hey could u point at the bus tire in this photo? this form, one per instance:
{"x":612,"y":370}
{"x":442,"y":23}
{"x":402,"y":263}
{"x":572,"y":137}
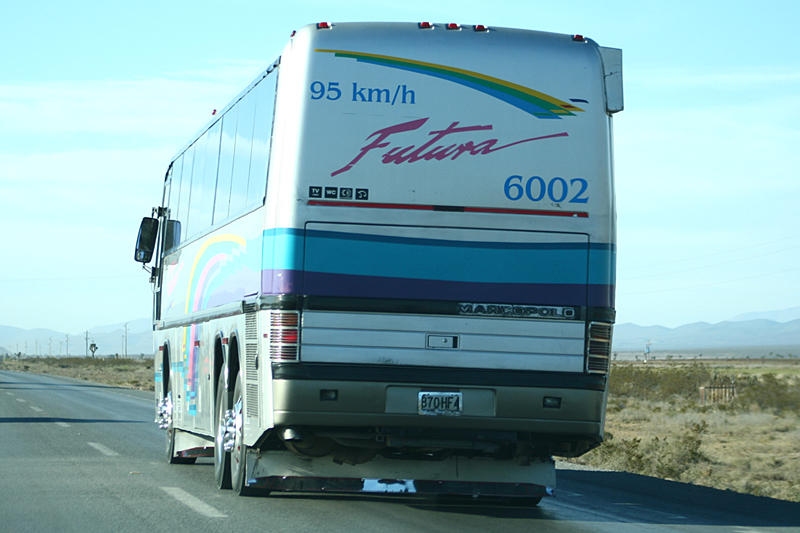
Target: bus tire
{"x":222,"y":459}
{"x":239,"y":453}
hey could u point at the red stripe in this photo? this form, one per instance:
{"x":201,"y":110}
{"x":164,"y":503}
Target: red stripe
{"x":418,"y":207}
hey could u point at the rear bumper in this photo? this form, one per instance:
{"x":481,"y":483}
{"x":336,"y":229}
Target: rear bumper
{"x":387,"y":397}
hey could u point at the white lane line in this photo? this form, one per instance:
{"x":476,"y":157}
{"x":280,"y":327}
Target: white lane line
{"x":195,"y":504}
{"x":20,"y":400}
{"x":37,"y":409}
{"x":62,"y":424}
{"x":103,"y":449}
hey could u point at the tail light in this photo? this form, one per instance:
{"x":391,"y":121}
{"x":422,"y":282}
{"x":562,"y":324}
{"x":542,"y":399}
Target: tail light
{"x":284,"y":335}
{"x":598,"y":347}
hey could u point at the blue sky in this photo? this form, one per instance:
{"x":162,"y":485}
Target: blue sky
{"x":96,"y":97}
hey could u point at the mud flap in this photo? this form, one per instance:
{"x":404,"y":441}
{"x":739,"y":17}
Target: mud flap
{"x":285,"y":471}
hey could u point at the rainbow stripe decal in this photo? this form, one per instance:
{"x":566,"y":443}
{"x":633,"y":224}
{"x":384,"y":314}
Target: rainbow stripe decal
{"x":536,"y":103}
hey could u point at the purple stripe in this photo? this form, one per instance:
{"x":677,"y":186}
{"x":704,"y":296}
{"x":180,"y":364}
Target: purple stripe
{"x":356,"y":286}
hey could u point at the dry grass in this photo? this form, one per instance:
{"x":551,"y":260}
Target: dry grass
{"x":128,"y":373}
{"x":656,"y":426}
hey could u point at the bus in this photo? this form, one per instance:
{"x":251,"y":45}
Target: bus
{"x":388,"y":265}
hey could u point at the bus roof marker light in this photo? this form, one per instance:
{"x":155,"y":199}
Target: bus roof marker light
{"x":480,"y":27}
{"x":578,"y":38}
{"x":425,"y":26}
{"x":324,"y":25}
{"x":453,"y":26}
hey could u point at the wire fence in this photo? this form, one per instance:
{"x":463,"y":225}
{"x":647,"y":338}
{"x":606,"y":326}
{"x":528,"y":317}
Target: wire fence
{"x":712,"y":394}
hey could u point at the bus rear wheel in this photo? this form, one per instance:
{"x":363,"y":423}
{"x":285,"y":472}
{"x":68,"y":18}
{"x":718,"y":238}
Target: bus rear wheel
{"x":222,"y":459}
{"x":239,"y":452}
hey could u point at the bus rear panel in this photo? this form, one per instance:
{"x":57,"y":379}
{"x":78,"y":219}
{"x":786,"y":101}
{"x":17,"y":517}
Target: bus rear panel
{"x":402,"y":266}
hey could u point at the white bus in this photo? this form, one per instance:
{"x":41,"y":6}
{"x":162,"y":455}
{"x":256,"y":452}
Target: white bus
{"x":388,"y":264}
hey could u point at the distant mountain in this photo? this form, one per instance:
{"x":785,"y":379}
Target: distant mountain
{"x":756,"y":333}
{"x":109,"y":340}
{"x":783,"y":315}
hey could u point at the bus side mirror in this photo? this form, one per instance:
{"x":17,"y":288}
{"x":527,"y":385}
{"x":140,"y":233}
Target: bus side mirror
{"x":146,"y":241}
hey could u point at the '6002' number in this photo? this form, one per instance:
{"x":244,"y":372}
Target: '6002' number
{"x":537,"y":188}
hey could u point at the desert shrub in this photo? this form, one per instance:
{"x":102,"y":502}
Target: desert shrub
{"x":666,"y":457}
{"x":674,"y":456}
{"x":767,"y":392}
{"x":658,"y":383}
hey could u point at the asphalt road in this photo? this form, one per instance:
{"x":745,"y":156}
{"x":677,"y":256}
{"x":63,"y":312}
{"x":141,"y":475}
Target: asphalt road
{"x":77,"y":456}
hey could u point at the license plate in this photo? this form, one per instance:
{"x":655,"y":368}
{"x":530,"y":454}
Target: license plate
{"x":439,"y":403}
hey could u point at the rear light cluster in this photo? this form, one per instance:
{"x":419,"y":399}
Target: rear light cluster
{"x":598,"y":347}
{"x":284,"y":335}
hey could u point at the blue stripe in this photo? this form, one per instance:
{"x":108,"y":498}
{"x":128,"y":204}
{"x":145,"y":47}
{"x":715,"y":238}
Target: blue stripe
{"x":354,"y":286}
{"x":342,"y":253}
{"x":461,"y":263}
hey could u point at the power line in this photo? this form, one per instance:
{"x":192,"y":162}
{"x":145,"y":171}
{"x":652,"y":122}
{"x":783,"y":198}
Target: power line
{"x":710,"y":265}
{"x":738,"y":249}
{"x":71,"y":278}
{"x":723,"y":282}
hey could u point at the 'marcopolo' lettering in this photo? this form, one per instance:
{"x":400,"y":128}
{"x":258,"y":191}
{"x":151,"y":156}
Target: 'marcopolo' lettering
{"x":523,"y":311}
{"x":427,"y":151}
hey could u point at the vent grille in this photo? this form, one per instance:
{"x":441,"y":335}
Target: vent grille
{"x":251,"y":327}
{"x":251,"y":361}
{"x":251,"y":399}
{"x":598,"y":347}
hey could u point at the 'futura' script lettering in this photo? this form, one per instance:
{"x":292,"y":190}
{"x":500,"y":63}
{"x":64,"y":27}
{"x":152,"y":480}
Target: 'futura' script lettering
{"x":427,"y":151}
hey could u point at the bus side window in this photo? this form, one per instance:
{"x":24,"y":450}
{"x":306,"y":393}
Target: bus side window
{"x":204,"y":180}
{"x":245,"y":115}
{"x":262,"y":133}
{"x":225,"y":174}
{"x":186,"y":191}
{"x":173,"y":240}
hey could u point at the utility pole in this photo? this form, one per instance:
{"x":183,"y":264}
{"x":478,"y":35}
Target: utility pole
{"x":125,"y":350}
{"x":66,"y":337}
{"x":87,"y":343}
